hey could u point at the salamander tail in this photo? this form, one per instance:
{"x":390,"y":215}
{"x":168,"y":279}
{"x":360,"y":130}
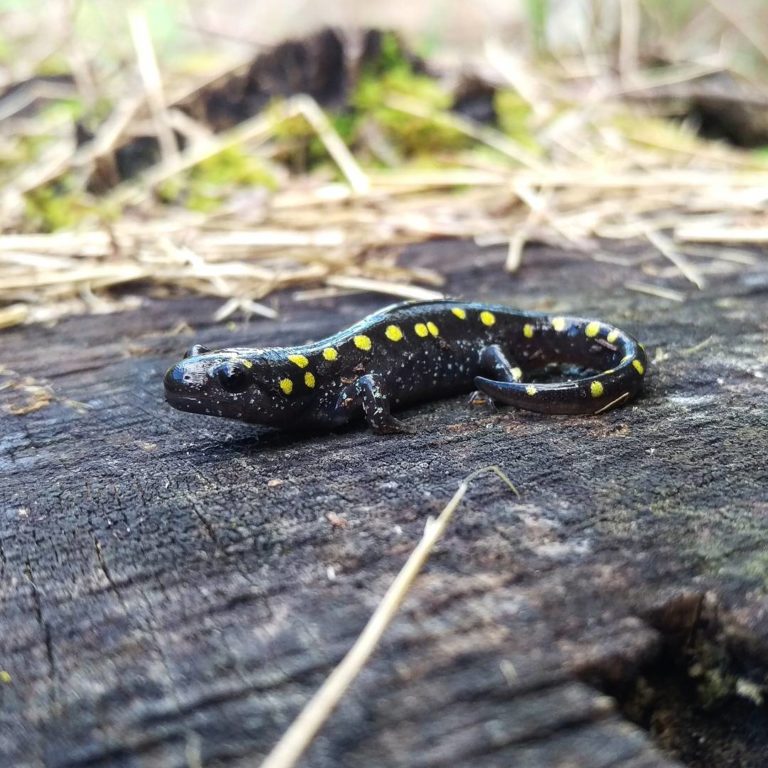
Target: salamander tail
{"x":590,"y":395}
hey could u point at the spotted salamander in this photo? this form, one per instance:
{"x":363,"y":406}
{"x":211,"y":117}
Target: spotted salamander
{"x":413,"y":352}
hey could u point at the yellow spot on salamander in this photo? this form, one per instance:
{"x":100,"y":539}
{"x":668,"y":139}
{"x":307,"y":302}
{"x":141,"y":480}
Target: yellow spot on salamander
{"x":421,"y":330}
{"x":309,"y":379}
{"x":596,"y":389}
{"x":531,"y":390}
{"x":592,"y":329}
{"x":287,"y":386}
{"x":362,"y":342}
{"x":299,"y":360}
{"x":330,"y":354}
{"x":247,"y":363}
{"x":5,"y":676}
{"x":393,"y":333}
{"x":460,"y":313}
{"x":528,"y":331}
{"x":613,"y":336}
{"x":558,"y":323}
{"x":517,"y":374}
{"x":432,"y":328}
{"x":638,"y":366}
{"x":487,"y":318}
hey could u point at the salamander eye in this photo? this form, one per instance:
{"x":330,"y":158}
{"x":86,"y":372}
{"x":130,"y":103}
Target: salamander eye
{"x":233,"y":377}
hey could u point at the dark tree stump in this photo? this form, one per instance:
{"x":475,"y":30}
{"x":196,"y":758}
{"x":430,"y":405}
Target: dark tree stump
{"x":173,"y":590}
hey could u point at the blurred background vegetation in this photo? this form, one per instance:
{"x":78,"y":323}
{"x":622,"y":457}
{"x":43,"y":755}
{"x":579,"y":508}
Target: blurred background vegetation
{"x":45,"y":36}
{"x":133,"y":152}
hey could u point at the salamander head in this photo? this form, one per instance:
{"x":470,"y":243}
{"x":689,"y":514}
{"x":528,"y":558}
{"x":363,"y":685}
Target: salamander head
{"x":228,"y":383}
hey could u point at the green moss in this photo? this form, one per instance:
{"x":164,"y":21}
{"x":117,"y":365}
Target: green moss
{"x":25,"y":149}
{"x":376,"y":99}
{"x":55,"y":206}
{"x":372,"y":91}
{"x":288,"y":129}
{"x":392,"y":57}
{"x":296,"y":142}
{"x":207,"y":185}
{"x":62,"y":204}
{"x":346,"y":125}
{"x":233,"y":166}
{"x":55,"y":64}
{"x":62,"y":109}
{"x":514,"y":116}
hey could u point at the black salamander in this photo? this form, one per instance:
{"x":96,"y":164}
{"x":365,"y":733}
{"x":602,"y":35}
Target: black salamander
{"x":413,"y":352}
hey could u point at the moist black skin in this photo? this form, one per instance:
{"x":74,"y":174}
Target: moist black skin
{"x":413,"y":352}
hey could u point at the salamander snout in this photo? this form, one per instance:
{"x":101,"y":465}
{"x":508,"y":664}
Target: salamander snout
{"x":181,"y":384}
{"x":174,"y":378}
{"x":186,"y":383}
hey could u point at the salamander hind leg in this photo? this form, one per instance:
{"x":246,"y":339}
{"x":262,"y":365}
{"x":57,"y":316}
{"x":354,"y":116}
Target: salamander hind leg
{"x":369,"y":394}
{"x":497,"y":366}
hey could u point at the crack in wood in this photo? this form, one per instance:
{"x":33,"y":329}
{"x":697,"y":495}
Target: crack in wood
{"x":47,"y":639}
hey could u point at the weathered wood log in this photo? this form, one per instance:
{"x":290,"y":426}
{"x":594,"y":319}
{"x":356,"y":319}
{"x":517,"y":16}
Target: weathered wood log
{"x":173,"y":588}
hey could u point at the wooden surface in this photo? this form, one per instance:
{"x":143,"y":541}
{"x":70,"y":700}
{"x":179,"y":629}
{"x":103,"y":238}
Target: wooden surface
{"x":173,"y":588}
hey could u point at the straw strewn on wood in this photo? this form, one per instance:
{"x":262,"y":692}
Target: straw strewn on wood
{"x":604,"y":175}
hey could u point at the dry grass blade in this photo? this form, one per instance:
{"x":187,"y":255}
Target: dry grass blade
{"x":744,"y":24}
{"x":414,"y":180}
{"x":15,"y":314}
{"x":153,"y":84}
{"x":401,"y":290}
{"x":246,"y":306}
{"x":94,"y":274}
{"x":300,"y":733}
{"x":733,"y":234}
{"x":656,"y":290}
{"x":271,"y":238}
{"x":629,"y":39}
{"x":667,"y":249}
{"x":21,"y":98}
{"x":516,"y":246}
{"x":337,"y":149}
{"x":645,"y":180}
{"x":613,"y":404}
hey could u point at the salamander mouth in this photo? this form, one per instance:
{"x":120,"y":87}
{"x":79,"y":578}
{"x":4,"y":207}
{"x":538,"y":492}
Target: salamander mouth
{"x":194,"y":404}
{"x":183,"y":402}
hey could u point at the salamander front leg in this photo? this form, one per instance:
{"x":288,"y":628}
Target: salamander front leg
{"x":369,"y":393}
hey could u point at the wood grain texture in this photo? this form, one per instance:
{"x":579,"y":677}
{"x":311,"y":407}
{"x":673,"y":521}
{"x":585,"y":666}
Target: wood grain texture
{"x":172,"y":589}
